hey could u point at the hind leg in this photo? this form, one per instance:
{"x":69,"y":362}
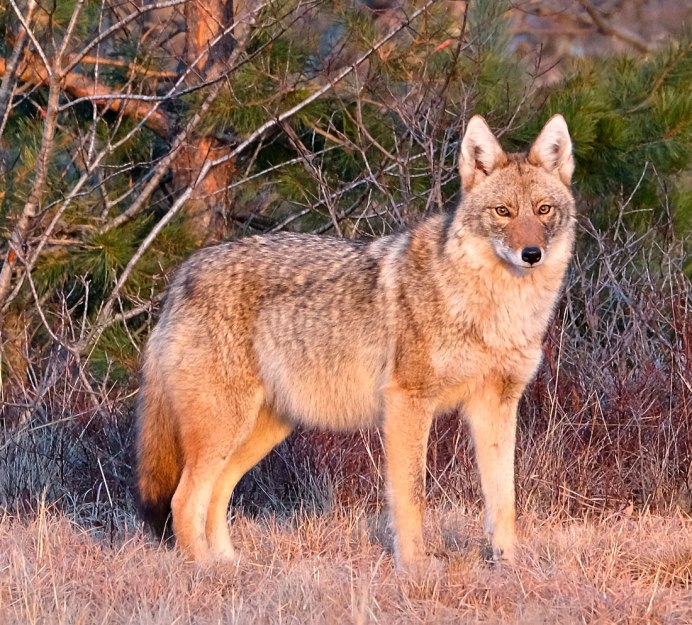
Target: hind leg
{"x":269,"y":431}
{"x":213,"y":429}
{"x":189,"y":506}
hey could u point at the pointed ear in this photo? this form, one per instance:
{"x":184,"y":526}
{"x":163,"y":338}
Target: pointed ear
{"x":552,"y":149}
{"x":481,"y":153}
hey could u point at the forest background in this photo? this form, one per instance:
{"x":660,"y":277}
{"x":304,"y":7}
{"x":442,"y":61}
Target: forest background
{"x":132,"y":132}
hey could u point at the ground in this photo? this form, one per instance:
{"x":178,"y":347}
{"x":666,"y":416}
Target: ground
{"x":335,"y":567}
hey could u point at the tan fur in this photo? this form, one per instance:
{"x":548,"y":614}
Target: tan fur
{"x":267,"y":332}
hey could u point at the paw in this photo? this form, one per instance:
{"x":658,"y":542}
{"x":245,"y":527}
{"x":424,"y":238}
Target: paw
{"x":226,"y":556}
{"x":503,"y":555}
{"x":502,"y":542}
{"x":423,"y":567}
{"x":500,"y":555}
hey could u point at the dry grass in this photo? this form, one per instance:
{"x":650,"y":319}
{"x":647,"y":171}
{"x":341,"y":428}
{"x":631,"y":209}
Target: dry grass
{"x":334,"y":568}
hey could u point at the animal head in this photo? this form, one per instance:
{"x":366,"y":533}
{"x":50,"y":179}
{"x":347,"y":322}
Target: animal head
{"x":520,"y":203}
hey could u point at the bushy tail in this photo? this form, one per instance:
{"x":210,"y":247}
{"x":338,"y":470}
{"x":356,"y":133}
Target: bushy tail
{"x":158,"y":453}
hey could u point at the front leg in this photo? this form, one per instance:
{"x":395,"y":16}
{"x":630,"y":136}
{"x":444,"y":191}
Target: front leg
{"x":492,"y":416}
{"x":406,"y":428}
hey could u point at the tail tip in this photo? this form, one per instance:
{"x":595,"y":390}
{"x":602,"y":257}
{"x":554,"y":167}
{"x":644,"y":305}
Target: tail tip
{"x":156,"y":515}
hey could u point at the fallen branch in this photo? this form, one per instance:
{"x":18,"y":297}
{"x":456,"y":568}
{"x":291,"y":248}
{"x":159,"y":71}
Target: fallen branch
{"x":81,"y":86}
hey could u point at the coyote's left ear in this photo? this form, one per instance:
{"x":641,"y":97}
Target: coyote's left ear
{"x":552,"y":149}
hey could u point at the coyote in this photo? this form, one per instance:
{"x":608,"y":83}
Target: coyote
{"x":266,"y":332}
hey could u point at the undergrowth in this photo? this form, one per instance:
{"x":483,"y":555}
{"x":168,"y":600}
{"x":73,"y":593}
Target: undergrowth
{"x":607,"y":422}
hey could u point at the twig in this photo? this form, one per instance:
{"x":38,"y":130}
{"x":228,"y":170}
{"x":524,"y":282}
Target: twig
{"x":25,"y":23}
{"x":7,"y":85}
{"x":309,"y":163}
{"x":5,"y":274}
{"x":130,"y":17}
{"x":132,"y":67}
{"x":272,"y":123}
{"x":68,"y":35}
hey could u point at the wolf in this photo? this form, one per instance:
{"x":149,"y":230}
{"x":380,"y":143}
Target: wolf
{"x":263,"y":333}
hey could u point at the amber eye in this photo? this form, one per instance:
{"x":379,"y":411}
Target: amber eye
{"x":502,"y":211}
{"x":544,"y":209}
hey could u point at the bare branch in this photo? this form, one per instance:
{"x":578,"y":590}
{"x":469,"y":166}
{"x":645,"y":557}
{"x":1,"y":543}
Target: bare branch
{"x":130,"y":66}
{"x":163,"y":165}
{"x":159,"y":172}
{"x":25,"y":24}
{"x":68,"y":34}
{"x":130,"y":17}
{"x":8,"y":72}
{"x":21,"y":229}
{"x":615,"y":31}
{"x":272,"y":123}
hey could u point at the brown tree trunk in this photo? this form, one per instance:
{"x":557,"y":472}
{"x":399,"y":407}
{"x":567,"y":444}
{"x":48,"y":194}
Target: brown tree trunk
{"x":208,"y":20}
{"x":215,"y":34}
{"x":206,"y":211}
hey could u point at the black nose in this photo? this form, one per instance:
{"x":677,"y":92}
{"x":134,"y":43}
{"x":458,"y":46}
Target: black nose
{"x":531,"y":255}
